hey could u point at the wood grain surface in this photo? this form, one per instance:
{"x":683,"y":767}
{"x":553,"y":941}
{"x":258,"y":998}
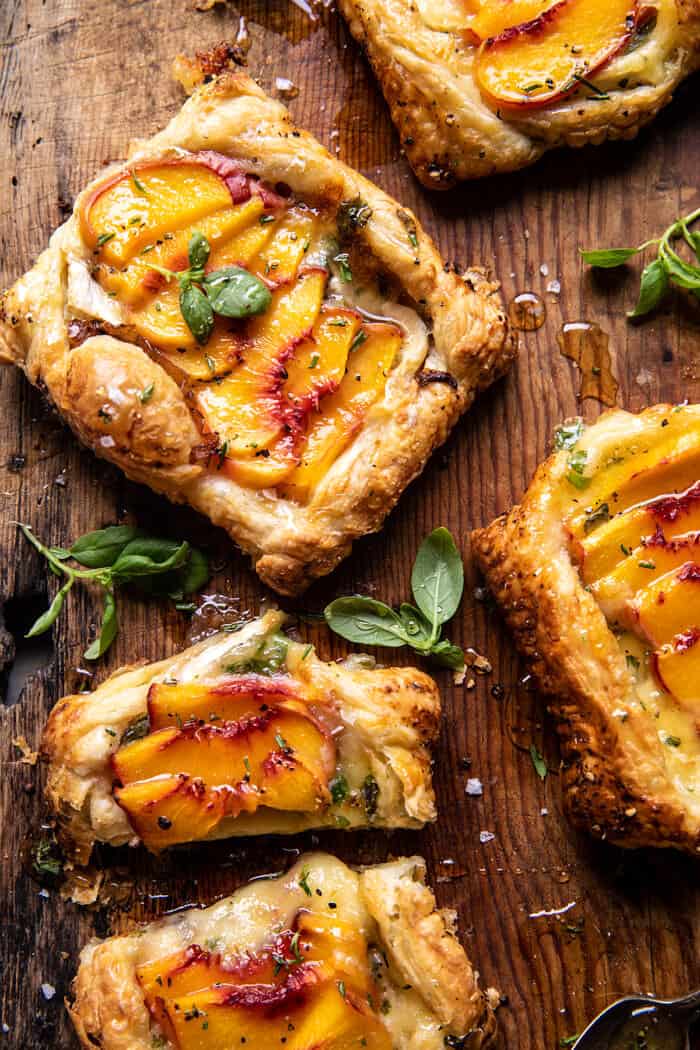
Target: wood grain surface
{"x":77,"y":80}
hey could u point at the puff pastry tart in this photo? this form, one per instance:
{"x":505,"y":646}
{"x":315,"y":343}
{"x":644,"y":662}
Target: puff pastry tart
{"x":598,"y":574}
{"x":323,"y":956}
{"x":481,"y":86}
{"x":295,"y":428}
{"x":246,"y":733}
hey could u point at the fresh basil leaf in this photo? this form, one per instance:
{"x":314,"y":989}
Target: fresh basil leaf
{"x":607,"y":258}
{"x":198,"y":251}
{"x":108,"y":631}
{"x":447,"y":655}
{"x":417,"y":628}
{"x":538,"y":762}
{"x":652,"y":288}
{"x":437,"y":579}
{"x":567,"y":434}
{"x":97,"y":550}
{"x":680,"y":272}
{"x":146,"y":556}
{"x":197,"y":312}
{"x":194,"y":573}
{"x":47,"y":619}
{"x":233,"y":292}
{"x":366,"y":621}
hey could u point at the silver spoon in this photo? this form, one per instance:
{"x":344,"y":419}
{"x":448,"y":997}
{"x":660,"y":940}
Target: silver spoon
{"x":657,"y":1024}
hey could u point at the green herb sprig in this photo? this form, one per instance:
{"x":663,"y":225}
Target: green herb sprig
{"x":437,"y":582}
{"x":667,"y":268}
{"x":113,"y":557}
{"x":230,"y":292}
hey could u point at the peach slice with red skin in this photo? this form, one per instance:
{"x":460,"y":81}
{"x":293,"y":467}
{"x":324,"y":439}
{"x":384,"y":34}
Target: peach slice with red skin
{"x":343,"y":413}
{"x":654,"y":558}
{"x":677,"y":669}
{"x":168,"y":810}
{"x":217,"y":753}
{"x":318,"y":364}
{"x":308,"y":989}
{"x":495,"y":16}
{"x":540,"y":61}
{"x":662,"y":609}
{"x":666,"y":469}
{"x":608,"y":544}
{"x":279,"y":260}
{"x":229,"y":699}
{"x":245,"y":409}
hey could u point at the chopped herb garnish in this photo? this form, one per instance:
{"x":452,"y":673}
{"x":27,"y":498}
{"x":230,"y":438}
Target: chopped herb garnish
{"x":359,"y":339}
{"x":146,"y":394}
{"x":315,"y":358}
{"x":339,"y":789}
{"x":567,"y":434}
{"x":370,"y":794}
{"x":577,"y":464}
{"x":352,"y":216}
{"x":104,"y":238}
{"x":304,"y":881}
{"x":538,"y":762}
{"x":341,"y":988}
{"x":264,"y":219}
{"x":646,"y":564}
{"x":138,"y":184}
{"x":672,"y":741}
{"x":343,"y":261}
{"x":596,"y":517}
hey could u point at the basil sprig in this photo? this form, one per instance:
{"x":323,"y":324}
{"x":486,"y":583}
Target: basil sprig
{"x":437,"y":582}
{"x":667,"y":268}
{"x":229,"y":292}
{"x":112,"y":557}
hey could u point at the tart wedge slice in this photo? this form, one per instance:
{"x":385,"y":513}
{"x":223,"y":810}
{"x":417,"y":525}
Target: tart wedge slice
{"x":597,"y":572}
{"x":322,"y":957}
{"x":246,"y":733}
{"x":201,"y":319}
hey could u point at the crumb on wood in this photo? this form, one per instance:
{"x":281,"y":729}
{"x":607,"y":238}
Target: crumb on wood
{"x":191,"y":73}
{"x":29,"y":757}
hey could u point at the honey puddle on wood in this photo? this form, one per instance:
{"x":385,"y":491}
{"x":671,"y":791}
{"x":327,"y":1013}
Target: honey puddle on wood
{"x":527,"y":312}
{"x":587,"y":345}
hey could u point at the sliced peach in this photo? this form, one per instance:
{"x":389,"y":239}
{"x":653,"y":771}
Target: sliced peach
{"x":609,"y":543}
{"x":665,"y":608}
{"x":245,"y":408}
{"x":173,"y":195}
{"x":343,"y":412}
{"x":542,"y":60}
{"x":229,"y":699}
{"x":241,"y":250}
{"x":339,"y":1019}
{"x":644,"y":565}
{"x":318,"y":364}
{"x":339,"y":946}
{"x":281,"y":257}
{"x":161,"y":323}
{"x":217,"y":753}
{"x":494,"y":16}
{"x":138,"y":280}
{"x":661,"y":469}
{"x":677,"y":669}
{"x":168,"y":810}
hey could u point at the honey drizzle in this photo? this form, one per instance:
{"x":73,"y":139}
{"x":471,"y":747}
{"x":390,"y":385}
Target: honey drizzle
{"x":586,"y":345}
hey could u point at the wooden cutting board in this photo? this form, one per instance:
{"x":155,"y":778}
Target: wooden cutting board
{"x":78,"y":80}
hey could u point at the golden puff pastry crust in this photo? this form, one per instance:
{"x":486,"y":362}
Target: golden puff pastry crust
{"x":451,"y":130}
{"x":428,"y":991}
{"x":379,"y":724}
{"x":122,"y":402}
{"x":594,"y":572}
